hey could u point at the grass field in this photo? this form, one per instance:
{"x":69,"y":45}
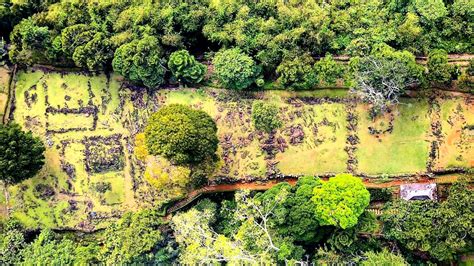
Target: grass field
{"x":404,"y":148}
{"x":89,"y":123}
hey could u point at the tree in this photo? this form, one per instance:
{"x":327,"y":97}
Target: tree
{"x":75,"y":36}
{"x":441,"y":229}
{"x":265,"y":116}
{"x":438,"y":68}
{"x":234,"y":69}
{"x":340,"y":201}
{"x":47,"y":250}
{"x":131,"y":237}
{"x":181,"y":134}
{"x":295,"y":217}
{"x":297,"y":73}
{"x":141,"y":61}
{"x":381,"y":80}
{"x":431,"y":10}
{"x":12,"y":243}
{"x":21,"y":155}
{"x":200,"y":244}
{"x":384,"y":257}
{"x":29,"y":41}
{"x":95,"y":54}
{"x":328,"y":71}
{"x":185,"y":68}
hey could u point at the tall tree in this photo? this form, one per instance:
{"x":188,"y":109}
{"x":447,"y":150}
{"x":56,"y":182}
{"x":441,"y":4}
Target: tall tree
{"x":340,"y":201}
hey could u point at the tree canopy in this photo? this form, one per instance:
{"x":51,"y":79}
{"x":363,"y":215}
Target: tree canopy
{"x":141,"y":61}
{"x":181,"y":134}
{"x":21,"y":156}
{"x":340,"y":201}
{"x":234,"y":69}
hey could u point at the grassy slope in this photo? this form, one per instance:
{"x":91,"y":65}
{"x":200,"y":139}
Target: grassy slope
{"x":124,"y":112}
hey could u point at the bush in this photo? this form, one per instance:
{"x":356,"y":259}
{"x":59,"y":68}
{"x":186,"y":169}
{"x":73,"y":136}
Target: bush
{"x":380,"y":194}
{"x":185,"y":68}
{"x":181,"y":134}
{"x":141,"y":62}
{"x":265,"y":116}
{"x":439,"y":70}
{"x":234,"y":69}
{"x":102,"y":187}
{"x":297,"y":73}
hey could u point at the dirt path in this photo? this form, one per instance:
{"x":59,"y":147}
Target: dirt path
{"x":259,"y":185}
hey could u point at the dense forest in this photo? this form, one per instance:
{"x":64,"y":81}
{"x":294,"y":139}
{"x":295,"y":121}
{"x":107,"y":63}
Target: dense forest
{"x":359,"y":66}
{"x":136,"y":39}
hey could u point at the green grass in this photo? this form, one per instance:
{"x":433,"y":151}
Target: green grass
{"x":70,"y":121}
{"x":405,"y":150}
{"x":68,"y":90}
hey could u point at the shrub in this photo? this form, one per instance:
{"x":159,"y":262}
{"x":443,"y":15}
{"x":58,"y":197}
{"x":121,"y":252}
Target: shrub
{"x":234,"y":69}
{"x":170,"y":181}
{"x":185,"y":68}
{"x":297,"y":73}
{"x":181,"y":134}
{"x":470,"y":68}
{"x":260,"y":82}
{"x":102,"y":187}
{"x":265,"y":116}
{"x":380,"y":194}
{"x":439,"y":70}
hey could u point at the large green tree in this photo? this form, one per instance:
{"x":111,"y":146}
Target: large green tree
{"x":132,"y":237}
{"x":234,"y":69}
{"x":21,"y":154}
{"x":340,"y":201}
{"x":141,"y":61}
{"x":181,"y":134}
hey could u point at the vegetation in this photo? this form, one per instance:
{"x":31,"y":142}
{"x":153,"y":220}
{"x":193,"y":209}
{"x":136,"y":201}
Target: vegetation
{"x":381,"y":78}
{"x":441,"y":229}
{"x":141,"y":62}
{"x":296,"y":73}
{"x":218,"y":131}
{"x":185,"y":68}
{"x":234,"y":69}
{"x":181,"y":134}
{"x":438,"y":69}
{"x":340,"y":201}
{"x":22,"y":154}
{"x":265,"y":116}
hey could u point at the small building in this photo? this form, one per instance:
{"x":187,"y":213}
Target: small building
{"x":418,"y":191}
